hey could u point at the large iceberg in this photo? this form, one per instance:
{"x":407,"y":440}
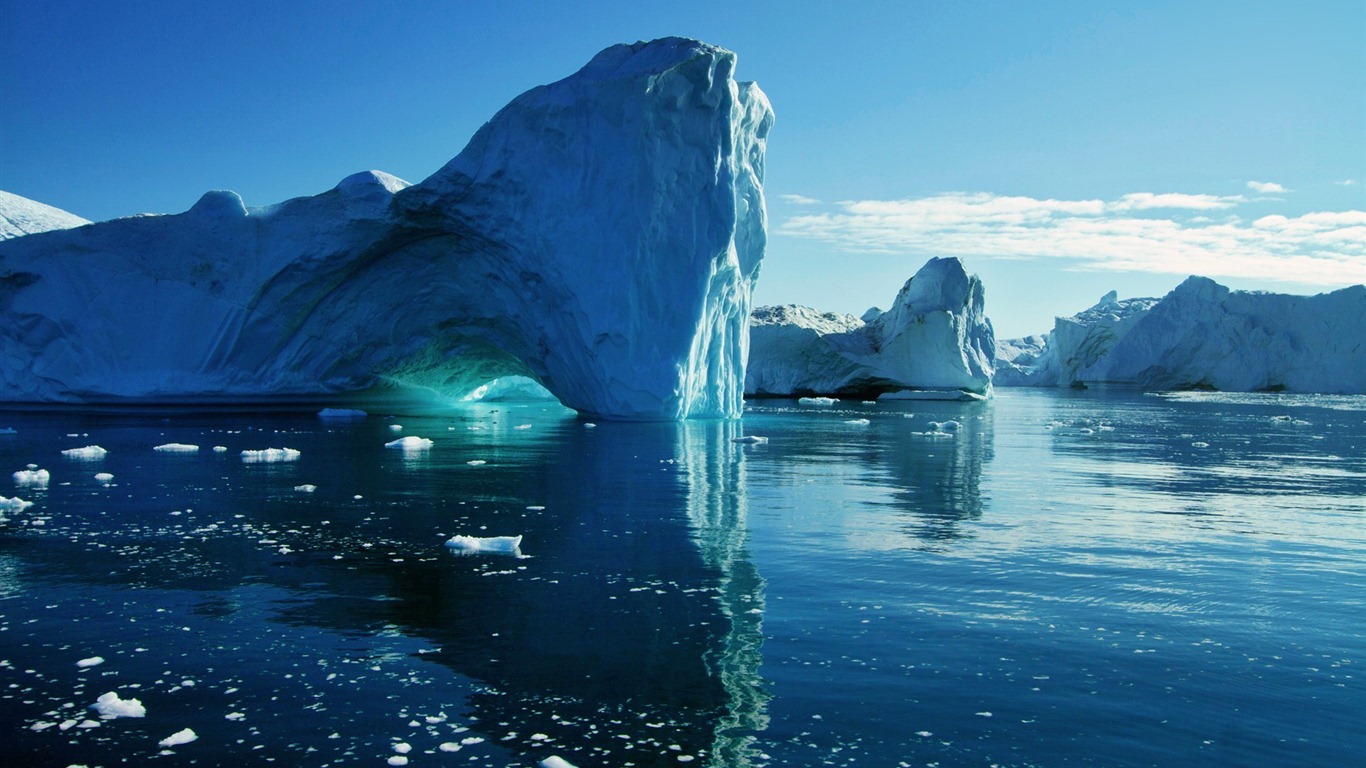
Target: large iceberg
{"x":22,"y":216}
{"x":1075,"y":343}
{"x":600,"y":235}
{"x":936,"y":336}
{"x":1204,"y":336}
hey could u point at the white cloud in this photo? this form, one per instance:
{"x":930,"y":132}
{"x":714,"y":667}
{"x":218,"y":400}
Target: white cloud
{"x":1142,"y":232}
{"x":1266,"y":187}
{"x":799,"y":199}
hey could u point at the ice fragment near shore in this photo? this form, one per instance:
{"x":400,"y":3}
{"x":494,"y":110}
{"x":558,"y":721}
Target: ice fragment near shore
{"x":270,"y":455}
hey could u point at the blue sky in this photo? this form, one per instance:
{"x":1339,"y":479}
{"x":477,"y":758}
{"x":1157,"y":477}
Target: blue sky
{"x":1061,"y":149}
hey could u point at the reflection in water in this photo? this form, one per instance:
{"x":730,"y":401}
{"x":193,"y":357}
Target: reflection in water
{"x":718,"y":510}
{"x":939,"y":479}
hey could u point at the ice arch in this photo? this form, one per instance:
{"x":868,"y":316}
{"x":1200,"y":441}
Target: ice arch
{"x":600,"y":235}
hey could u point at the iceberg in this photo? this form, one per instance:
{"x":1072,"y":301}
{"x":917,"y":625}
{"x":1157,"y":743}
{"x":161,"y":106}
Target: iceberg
{"x":1203,"y":335}
{"x":935,"y":337}
{"x":111,"y":706}
{"x":600,"y":235}
{"x":501,"y":545}
{"x":21,"y":216}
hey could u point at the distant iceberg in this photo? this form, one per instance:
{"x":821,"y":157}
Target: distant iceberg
{"x":499,"y":545}
{"x":936,"y":336}
{"x":1202,"y":336}
{"x":600,"y":235}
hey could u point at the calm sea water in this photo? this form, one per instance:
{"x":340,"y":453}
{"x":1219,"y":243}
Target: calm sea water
{"x":1068,"y":579}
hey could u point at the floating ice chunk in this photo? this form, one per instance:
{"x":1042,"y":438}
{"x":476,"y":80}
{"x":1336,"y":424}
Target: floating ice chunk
{"x":410,"y":443}
{"x":555,"y":761}
{"x":8,"y":431}
{"x":1199,"y":444}
{"x":37,"y":478}
{"x":111,"y":706}
{"x":177,"y":448}
{"x":306,"y":488}
{"x":88,"y":453}
{"x":220,"y":449}
{"x":341,"y":413}
{"x":500,"y":545}
{"x":476,"y":462}
{"x":859,"y":422}
{"x":15,"y":504}
{"x":589,"y":425}
{"x":90,"y":662}
{"x":398,"y":760}
{"x":179,"y":737}
{"x":234,"y":716}
{"x":396,"y":427}
{"x":104,"y":477}
{"x":403,"y":747}
{"x":270,"y":455}
{"x":750,"y":439}
{"x":448,"y":746}
{"x":816,"y":401}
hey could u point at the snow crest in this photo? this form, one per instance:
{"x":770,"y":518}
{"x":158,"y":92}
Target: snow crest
{"x":600,"y":235}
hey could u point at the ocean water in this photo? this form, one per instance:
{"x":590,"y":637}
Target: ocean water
{"x":1054,"y":579}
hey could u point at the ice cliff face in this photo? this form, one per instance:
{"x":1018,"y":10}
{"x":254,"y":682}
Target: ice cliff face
{"x":600,"y":235}
{"x":22,"y":216}
{"x":1202,"y":335}
{"x":1076,"y":343}
{"x":936,"y":336}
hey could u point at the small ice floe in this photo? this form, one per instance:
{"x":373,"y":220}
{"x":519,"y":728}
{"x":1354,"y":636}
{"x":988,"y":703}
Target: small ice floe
{"x":220,"y":449}
{"x":184,"y":736}
{"x":396,"y":427}
{"x":270,"y":455}
{"x":397,"y":760}
{"x":749,"y":439}
{"x":476,"y":462}
{"x":403,"y":747}
{"x":816,"y":401}
{"x":589,"y":425}
{"x":522,"y":426}
{"x":111,"y":706}
{"x":93,"y":661}
{"x":87,"y":453}
{"x":341,"y":413}
{"x":858,"y":422}
{"x":177,"y":448}
{"x":947,"y":426}
{"x":555,"y":761}
{"x":494,"y":545}
{"x":15,"y":504}
{"x":32,"y":477}
{"x":104,"y":478}
{"x":1199,"y":444}
{"x":8,"y":431}
{"x":234,"y":716}
{"x":306,"y":488}
{"x":410,"y":443}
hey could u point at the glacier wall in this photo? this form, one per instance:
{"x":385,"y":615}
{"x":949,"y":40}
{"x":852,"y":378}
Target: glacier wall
{"x":600,"y":235}
{"x":936,"y":336}
{"x":1204,"y":336}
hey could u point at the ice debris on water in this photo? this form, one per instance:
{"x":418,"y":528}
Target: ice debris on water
{"x":555,"y":761}
{"x":34,"y":477}
{"x":410,"y":443}
{"x":270,"y":455}
{"x":816,"y":401}
{"x":176,"y":448}
{"x":88,"y":453}
{"x":104,"y":477}
{"x":90,"y":662}
{"x":306,"y":488}
{"x":220,"y":449}
{"x":501,"y":545}
{"x":859,"y":422}
{"x":750,"y":439}
{"x":184,"y":736}
{"x":111,"y":706}
{"x":15,"y":504}
{"x":341,"y":413}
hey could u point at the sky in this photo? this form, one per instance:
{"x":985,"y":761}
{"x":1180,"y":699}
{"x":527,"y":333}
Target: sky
{"x":1061,"y":149}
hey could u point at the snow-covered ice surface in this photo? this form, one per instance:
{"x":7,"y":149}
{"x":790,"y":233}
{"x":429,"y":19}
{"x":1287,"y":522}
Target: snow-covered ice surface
{"x":600,"y":234}
{"x":21,"y":216}
{"x":1202,"y":336}
{"x":936,"y":336}
{"x":498,"y":545}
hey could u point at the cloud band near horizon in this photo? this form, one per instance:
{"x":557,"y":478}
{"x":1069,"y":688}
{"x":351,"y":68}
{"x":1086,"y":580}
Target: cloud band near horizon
{"x":1169,"y":233}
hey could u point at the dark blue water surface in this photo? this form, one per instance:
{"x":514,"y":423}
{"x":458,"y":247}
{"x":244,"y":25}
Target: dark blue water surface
{"x":1066,"y":579}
